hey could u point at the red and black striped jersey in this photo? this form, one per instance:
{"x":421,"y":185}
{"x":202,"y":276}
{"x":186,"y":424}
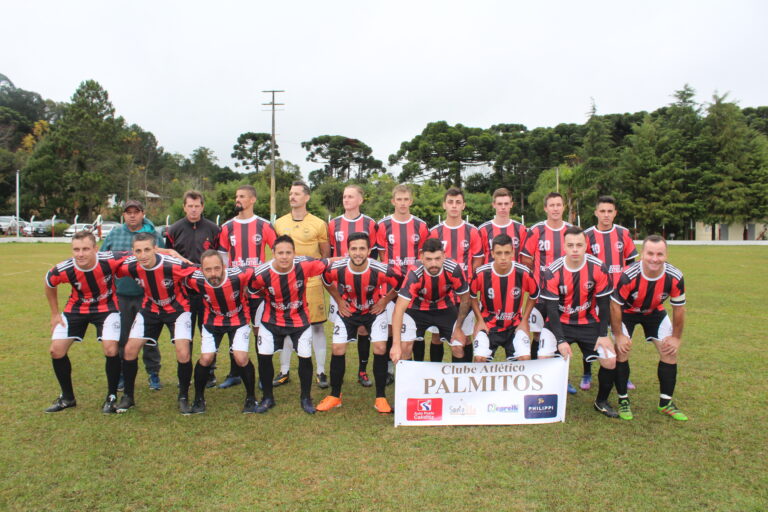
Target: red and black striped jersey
{"x":639,"y":294}
{"x":544,"y":245}
{"x":461,"y":244}
{"x":341,"y":227}
{"x":430,"y":293}
{"x":286,"y":297}
{"x":226,"y":305}
{"x":245,"y":241}
{"x":576,"y":290}
{"x":361,"y":290}
{"x":163,"y":284}
{"x":501,"y":296}
{"x":489,"y":230}
{"x":399,"y":242}
{"x":614,"y":247}
{"x":93,"y":290}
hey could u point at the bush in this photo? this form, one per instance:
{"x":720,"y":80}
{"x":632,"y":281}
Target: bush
{"x":59,"y":229}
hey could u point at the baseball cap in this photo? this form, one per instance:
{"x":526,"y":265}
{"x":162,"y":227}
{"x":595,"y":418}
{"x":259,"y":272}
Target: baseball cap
{"x":133,"y":203}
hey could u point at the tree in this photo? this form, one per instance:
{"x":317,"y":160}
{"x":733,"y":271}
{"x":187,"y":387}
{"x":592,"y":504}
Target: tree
{"x":253,"y":150}
{"x":343,"y":159}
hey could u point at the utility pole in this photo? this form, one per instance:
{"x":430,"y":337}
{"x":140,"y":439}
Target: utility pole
{"x":272,"y":208}
{"x":18,"y":201}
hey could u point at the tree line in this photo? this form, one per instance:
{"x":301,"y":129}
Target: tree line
{"x":684,"y":162}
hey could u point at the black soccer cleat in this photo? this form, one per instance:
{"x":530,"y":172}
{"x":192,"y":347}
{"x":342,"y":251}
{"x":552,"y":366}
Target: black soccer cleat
{"x":605,"y":408}
{"x":199,"y":406}
{"x":250,"y":406}
{"x":308,"y":406}
{"x":281,"y":379}
{"x":110,"y":405}
{"x":362,"y":378}
{"x":322,"y":381}
{"x":184,"y":407}
{"x":390,"y":379}
{"x":211,"y":382}
{"x":230,"y":381}
{"x":60,"y":404}
{"x":265,"y":405}
{"x":125,"y":403}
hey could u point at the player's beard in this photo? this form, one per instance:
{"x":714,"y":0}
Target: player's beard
{"x":215,"y":280}
{"x":238,"y":208}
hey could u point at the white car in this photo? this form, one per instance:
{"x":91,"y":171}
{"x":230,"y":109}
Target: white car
{"x":74,"y":228}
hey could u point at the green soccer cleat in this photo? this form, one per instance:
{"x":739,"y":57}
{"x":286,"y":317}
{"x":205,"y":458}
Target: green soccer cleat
{"x":673,"y":412}
{"x":625,"y":411}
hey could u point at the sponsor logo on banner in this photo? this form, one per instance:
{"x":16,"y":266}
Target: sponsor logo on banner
{"x":463,"y":409}
{"x":424,"y":409}
{"x":511,"y":408}
{"x":540,"y":406}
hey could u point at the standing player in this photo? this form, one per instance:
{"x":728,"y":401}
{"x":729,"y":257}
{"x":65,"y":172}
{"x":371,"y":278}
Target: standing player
{"x":190,"y":236}
{"x":355,"y":282}
{"x":576,"y":290}
{"x":224,"y":291}
{"x":638,"y":300}
{"x":286,"y":316}
{"x":497,"y":294}
{"x":399,"y":238}
{"x":243,"y":242}
{"x":502,"y":224}
{"x":613,"y":245}
{"x":92,"y":301}
{"x":310,"y":236}
{"x":461,"y":243}
{"x":165,"y":304}
{"x":426,"y":299}
{"x":339,"y":231}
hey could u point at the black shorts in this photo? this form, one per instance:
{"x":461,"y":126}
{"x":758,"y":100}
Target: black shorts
{"x":443,"y":319}
{"x":75,"y":324}
{"x":585,"y":336}
{"x":656,"y":325}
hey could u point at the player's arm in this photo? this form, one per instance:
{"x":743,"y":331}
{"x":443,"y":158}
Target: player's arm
{"x":381,"y":304}
{"x":333,"y":291}
{"x":325,"y":249}
{"x":524,"y":320}
{"x":553,"y":318}
{"x":479,"y":322}
{"x":604,"y":308}
{"x":465,"y":306}
{"x":623,"y":342}
{"x":671,"y":344}
{"x":52,"y":295}
{"x":397,"y":327}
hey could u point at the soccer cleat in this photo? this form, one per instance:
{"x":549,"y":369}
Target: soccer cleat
{"x":605,"y":408}
{"x":630,"y":385}
{"x":382,"y":406}
{"x":586,"y":382}
{"x":154,"y":381}
{"x":109,"y":406}
{"x":625,"y":411}
{"x":362,"y":378}
{"x":322,"y":381}
{"x":328,"y":403}
{"x":60,"y":404}
{"x":230,"y":381}
{"x":390,"y":379}
{"x":265,"y":405}
{"x":281,"y":379}
{"x":572,"y":390}
{"x":199,"y":406}
{"x":308,"y":406}
{"x":125,"y":403}
{"x":121,"y":383}
{"x":184,"y":407}
{"x":211,"y":382}
{"x":673,"y":412}
{"x":250,"y":405}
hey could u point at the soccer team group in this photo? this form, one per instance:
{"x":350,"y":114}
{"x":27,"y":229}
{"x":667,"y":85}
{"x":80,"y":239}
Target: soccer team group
{"x":396,"y":287}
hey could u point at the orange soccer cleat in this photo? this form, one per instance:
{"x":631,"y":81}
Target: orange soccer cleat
{"x":328,"y":403}
{"x":382,"y":405}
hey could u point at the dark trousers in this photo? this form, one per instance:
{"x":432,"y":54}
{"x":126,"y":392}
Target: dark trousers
{"x":129,"y":306}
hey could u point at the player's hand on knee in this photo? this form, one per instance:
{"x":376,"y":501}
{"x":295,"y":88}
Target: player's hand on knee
{"x":56,"y":320}
{"x":623,"y":344}
{"x":670,"y":345}
{"x":394,"y":354}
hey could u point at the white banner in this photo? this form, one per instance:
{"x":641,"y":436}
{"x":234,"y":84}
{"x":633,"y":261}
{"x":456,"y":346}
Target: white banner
{"x":498,"y":393}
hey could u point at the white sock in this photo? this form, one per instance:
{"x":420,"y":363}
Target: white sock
{"x":318,"y":347}
{"x":285,"y":356}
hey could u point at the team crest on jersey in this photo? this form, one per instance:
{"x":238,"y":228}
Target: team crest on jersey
{"x":491,"y":293}
{"x":116,"y":325}
{"x":663,"y":296}
{"x":107,"y":278}
{"x":256,"y":238}
{"x":299,"y":283}
{"x":370,"y":288}
{"x":589,"y":285}
{"x":168,"y":283}
{"x":423,"y":291}
{"x":515,"y":242}
{"x":465,"y":244}
{"x":235,"y":294}
{"x":619,"y":246}
{"x":271,"y":290}
{"x":415,"y":238}
{"x":516,"y":292}
{"x":339,"y":236}
{"x":596,"y":249}
{"x":232,"y":240}
{"x":348,"y":288}
{"x":391,"y":239}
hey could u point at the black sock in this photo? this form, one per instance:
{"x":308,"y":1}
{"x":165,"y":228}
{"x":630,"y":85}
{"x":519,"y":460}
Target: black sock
{"x":436,"y":353}
{"x":389,"y":349}
{"x":63,"y":370}
{"x":248,"y":373}
{"x":363,"y":351}
{"x":266,"y":374}
{"x":112,"y":368}
{"x":418,"y":350}
{"x":605,"y":379}
{"x":380,"y":373}
{"x":667,"y":378}
{"x":622,"y":377}
{"x":184,"y":372}
{"x":338,"y":366}
{"x":587,"y":367}
{"x":455,"y":359}
{"x":130,"y":369}
{"x":201,"y":379}
{"x":234,"y":370}
{"x":305,"y":376}
{"x":534,"y":349}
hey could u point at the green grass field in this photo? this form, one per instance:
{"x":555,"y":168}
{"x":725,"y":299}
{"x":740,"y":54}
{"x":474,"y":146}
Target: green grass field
{"x":352,"y":459}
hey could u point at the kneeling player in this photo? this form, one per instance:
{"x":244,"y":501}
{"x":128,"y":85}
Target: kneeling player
{"x":577,"y":290}
{"x":92,"y":301}
{"x":638,"y":300}
{"x":355,"y":283}
{"x":497,"y":289}
{"x":426,"y":299}
{"x":224,"y":292}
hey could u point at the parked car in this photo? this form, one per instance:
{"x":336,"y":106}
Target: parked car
{"x":8,"y":224}
{"x":41,"y":228}
{"x":74,"y":228}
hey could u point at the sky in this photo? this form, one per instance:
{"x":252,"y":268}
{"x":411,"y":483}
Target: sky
{"x":192,"y":72}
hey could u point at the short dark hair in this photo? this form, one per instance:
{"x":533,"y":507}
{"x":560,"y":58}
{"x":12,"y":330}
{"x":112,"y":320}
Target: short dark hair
{"x":552,"y":195}
{"x":193,"y":195}
{"x":82,"y":235}
{"x":606,"y":199}
{"x":655,"y":238}
{"x":573,"y":230}
{"x":359,"y":235}
{"x":501,"y":240}
{"x":143,"y":237}
{"x":501,"y":192}
{"x":299,"y":183}
{"x":453,"y":192}
{"x":432,"y":245}
{"x":284,"y":239}
{"x":251,"y":190}
{"x":210,"y":253}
